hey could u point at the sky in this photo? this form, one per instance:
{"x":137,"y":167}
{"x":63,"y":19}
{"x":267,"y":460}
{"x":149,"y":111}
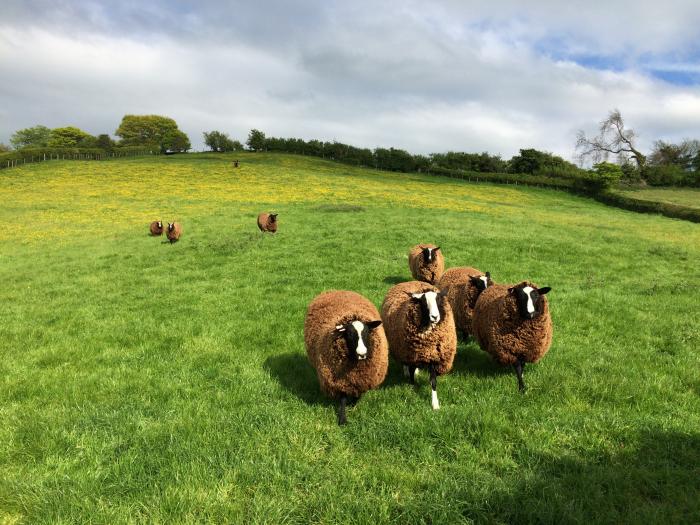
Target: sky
{"x":422,"y":76}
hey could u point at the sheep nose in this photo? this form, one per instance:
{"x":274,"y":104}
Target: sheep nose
{"x":434,"y":318}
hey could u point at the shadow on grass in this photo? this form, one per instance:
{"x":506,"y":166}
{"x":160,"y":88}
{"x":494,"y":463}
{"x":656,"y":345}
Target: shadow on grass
{"x":653,"y":477}
{"x":471,"y":360}
{"x":395,"y":279}
{"x":295,"y":374}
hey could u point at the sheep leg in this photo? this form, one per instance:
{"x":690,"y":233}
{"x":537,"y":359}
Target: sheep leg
{"x":519,"y":369}
{"x":342,"y":419}
{"x":433,"y":385}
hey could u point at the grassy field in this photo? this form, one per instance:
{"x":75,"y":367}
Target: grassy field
{"x":684,"y":196}
{"x":144,"y":382}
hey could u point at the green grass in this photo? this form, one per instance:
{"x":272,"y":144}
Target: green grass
{"x":143,"y":382}
{"x":684,"y":196}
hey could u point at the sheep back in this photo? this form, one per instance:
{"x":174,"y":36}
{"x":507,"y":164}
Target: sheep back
{"x":462,"y":295}
{"x":429,"y":273}
{"x":436,"y":345}
{"x":326,"y":349}
{"x":155,"y":229}
{"x":265,"y":224}
{"x":175,"y":234}
{"x":500,"y":331}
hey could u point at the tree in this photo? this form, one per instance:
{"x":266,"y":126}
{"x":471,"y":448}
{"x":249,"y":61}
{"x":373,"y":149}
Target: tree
{"x":69,"y":137}
{"x":681,"y":155}
{"x":218,"y":141}
{"x":237,"y":146}
{"x":607,"y":174}
{"x":105,"y":142}
{"x":256,"y":140}
{"x":4,"y":148}
{"x":177,"y":141}
{"x":35,"y":137}
{"x":150,"y":130}
{"x":612,"y":138}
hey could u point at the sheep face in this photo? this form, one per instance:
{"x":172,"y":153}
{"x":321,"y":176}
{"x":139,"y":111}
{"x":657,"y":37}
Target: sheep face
{"x":273,"y":217}
{"x":429,"y":254}
{"x":529,"y":300}
{"x":432,"y":307}
{"x":171,"y":226}
{"x":160,"y":224}
{"x":481,"y":282}
{"x":356,"y":336}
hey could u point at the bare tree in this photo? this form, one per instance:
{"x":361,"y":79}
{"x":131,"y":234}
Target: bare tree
{"x":612,"y":138}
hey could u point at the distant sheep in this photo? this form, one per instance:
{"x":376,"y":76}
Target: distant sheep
{"x":267,"y":222}
{"x":513,"y":325}
{"x":156,"y":228}
{"x":463,"y":286}
{"x":420,"y":329}
{"x":346,"y":345}
{"x":174,"y":232}
{"x":426,"y":263}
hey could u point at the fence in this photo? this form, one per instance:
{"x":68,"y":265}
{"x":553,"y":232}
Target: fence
{"x":16,"y":158}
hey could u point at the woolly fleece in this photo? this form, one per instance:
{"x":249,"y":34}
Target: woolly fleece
{"x":328,"y":352}
{"x":501,"y":331}
{"x":429,"y":273}
{"x":437,"y":345}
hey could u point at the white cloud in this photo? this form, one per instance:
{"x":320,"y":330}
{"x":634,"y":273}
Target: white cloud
{"x":457,"y":77}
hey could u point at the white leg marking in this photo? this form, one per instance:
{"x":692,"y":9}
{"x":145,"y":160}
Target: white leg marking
{"x":435,"y":402}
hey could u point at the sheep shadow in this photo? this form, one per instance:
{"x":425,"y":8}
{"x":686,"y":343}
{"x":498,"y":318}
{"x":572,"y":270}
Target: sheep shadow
{"x":471,"y":360}
{"x":394,"y":279}
{"x":294,"y":373}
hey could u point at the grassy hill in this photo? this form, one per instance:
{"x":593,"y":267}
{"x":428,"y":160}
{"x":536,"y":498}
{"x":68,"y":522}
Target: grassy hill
{"x":141,"y":381}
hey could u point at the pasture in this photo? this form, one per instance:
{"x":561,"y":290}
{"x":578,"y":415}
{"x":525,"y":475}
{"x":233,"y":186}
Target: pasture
{"x":144,"y":382}
{"x":684,"y":196}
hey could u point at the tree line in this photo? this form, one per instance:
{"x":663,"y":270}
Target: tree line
{"x":149,"y":132}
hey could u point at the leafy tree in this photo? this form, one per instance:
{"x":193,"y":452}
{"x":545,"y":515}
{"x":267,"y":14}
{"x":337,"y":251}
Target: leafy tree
{"x":533,"y":161}
{"x":35,"y":137}
{"x":218,"y":141}
{"x":4,"y":148}
{"x":237,"y":146}
{"x":151,"y":130}
{"x":105,"y":142}
{"x":612,"y":138}
{"x":69,"y":137}
{"x":606,"y":174}
{"x":176,"y":141}
{"x":256,"y":140}
{"x":681,"y":155}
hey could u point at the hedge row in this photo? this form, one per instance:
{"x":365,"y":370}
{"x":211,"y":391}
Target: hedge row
{"x":676,"y":211}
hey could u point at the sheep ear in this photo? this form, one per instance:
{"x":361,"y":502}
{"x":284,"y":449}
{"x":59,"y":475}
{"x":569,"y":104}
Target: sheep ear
{"x":442,"y":293}
{"x":488,"y":275}
{"x":473,"y":279}
{"x":511,"y":290}
{"x":340,"y":328}
{"x":373,"y":324}
{"x":417,"y":295}
{"x":544,"y":290}
{"x":436,"y":249}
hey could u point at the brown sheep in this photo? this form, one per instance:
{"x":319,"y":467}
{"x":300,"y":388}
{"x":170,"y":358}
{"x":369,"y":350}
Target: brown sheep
{"x":174,"y":232}
{"x":513,"y":324}
{"x":426,"y":263}
{"x":463,"y":286}
{"x":156,"y":228}
{"x":346,"y":344}
{"x":267,"y":222}
{"x":420,"y":328}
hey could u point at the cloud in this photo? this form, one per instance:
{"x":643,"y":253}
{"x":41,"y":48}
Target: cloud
{"x":457,"y":76}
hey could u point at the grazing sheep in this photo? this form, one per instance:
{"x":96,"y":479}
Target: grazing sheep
{"x":426,"y":263}
{"x":346,"y":345}
{"x":420,"y":329}
{"x":463,"y":286}
{"x":267,"y":222}
{"x":156,"y":228}
{"x":174,"y":232}
{"x":235,"y":163}
{"x":513,"y":325}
